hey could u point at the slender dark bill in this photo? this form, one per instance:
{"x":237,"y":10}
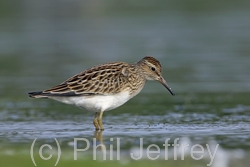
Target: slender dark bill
{"x":164,"y":83}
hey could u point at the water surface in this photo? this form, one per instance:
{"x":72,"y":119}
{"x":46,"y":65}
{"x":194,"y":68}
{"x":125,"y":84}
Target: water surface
{"x":203,"y":49}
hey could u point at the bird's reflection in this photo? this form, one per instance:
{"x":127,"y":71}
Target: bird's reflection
{"x":109,"y":151}
{"x":99,"y":139}
{"x":98,"y":136}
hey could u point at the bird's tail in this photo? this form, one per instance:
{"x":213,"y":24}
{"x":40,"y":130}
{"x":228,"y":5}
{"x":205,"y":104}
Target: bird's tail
{"x":37,"y":94}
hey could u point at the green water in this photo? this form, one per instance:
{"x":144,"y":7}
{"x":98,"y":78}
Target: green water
{"x":204,"y":51}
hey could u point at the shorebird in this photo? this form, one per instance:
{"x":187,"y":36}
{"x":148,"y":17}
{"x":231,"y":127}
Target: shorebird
{"x":106,"y":86}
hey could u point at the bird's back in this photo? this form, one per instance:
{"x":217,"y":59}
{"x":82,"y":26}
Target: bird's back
{"x":106,"y":79}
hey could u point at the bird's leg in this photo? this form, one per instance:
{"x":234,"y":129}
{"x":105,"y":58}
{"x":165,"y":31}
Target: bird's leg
{"x":95,"y":121}
{"x":100,"y":120}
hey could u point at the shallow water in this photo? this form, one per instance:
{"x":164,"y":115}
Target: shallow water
{"x":206,"y":119}
{"x":203,"y":49}
{"x":202,"y":117}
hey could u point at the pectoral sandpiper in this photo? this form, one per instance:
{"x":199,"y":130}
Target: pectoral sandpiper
{"x":105,"y":87}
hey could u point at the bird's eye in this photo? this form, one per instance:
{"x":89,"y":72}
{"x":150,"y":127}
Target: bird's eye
{"x":152,"y":68}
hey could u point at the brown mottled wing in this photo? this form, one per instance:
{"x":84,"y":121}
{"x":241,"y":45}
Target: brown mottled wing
{"x":104,"y":79}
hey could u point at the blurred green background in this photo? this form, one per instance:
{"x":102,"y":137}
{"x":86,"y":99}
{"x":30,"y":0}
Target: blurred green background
{"x":203,"y":46}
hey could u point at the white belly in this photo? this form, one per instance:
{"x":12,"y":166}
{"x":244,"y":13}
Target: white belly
{"x":96,"y":103}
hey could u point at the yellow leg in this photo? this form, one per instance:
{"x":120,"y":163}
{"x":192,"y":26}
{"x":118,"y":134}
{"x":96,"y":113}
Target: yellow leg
{"x":100,"y":120}
{"x":95,"y":122}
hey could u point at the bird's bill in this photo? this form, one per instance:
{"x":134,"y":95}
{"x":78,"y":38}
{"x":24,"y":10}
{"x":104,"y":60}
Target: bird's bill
{"x":164,"y":83}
